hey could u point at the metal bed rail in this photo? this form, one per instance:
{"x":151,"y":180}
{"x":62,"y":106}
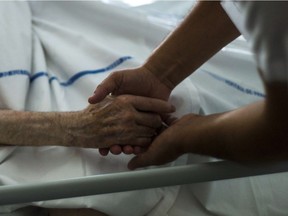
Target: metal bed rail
{"x":134,"y":180}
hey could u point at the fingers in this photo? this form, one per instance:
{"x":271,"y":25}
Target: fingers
{"x":139,"y":150}
{"x":148,"y":111}
{"x":162,"y":150}
{"x":109,"y":85}
{"x":117,"y":149}
{"x":104,"y":151}
{"x":131,"y":134}
{"x":148,"y":120}
{"x":150,"y":104}
{"x":137,"y":143}
{"x":141,"y":160}
{"x":99,"y":94}
{"x":168,"y":119}
{"x":149,"y":158}
{"x":138,"y":136}
{"x":154,"y":155}
{"x":133,"y":149}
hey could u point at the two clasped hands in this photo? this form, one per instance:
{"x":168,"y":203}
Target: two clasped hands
{"x":148,"y":135}
{"x":256,"y":132}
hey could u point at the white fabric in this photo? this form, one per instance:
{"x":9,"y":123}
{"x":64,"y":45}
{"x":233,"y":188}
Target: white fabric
{"x":264,"y":24}
{"x":236,"y":15}
{"x":53,"y":56}
{"x":228,"y":81}
{"x":70,"y":37}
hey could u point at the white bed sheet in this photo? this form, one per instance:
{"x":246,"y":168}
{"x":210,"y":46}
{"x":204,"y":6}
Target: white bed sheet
{"x":96,"y":38}
{"x":55,"y":55}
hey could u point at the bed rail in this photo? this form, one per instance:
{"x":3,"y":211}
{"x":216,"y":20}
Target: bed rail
{"x":135,"y":180}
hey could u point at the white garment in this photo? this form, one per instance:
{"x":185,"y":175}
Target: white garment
{"x":265,"y":26}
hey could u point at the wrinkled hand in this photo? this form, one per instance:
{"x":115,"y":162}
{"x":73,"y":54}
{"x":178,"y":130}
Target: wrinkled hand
{"x":122,"y":120}
{"x":139,"y":81}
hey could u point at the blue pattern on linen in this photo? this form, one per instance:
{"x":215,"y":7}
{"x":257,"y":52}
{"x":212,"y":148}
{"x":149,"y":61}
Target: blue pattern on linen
{"x":71,"y":80}
{"x":236,"y":86}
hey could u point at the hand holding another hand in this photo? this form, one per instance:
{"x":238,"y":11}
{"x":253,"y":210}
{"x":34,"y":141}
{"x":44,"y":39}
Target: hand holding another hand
{"x":121,"y":120}
{"x":139,"y":81}
{"x":183,"y":136}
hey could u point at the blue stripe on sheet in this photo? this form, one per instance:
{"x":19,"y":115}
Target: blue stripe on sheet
{"x":236,"y":85}
{"x":71,"y":80}
{"x":13,"y":73}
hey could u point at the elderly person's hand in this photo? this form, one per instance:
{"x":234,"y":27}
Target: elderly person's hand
{"x":139,"y":81}
{"x":122,"y":120}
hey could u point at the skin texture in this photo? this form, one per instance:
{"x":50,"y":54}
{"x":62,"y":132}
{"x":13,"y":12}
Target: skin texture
{"x":172,"y":61}
{"x":252,"y":133}
{"x":119,"y":120}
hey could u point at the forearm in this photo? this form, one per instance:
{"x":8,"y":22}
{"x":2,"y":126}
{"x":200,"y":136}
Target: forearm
{"x":243,"y":134}
{"x":253,"y":133}
{"x":115,"y":120}
{"x":203,"y":33}
{"x":33,"y":128}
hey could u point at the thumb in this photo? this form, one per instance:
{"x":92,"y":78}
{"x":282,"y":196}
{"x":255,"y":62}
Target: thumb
{"x":163,"y":150}
{"x":109,"y":85}
{"x":155,"y":155}
{"x":99,"y":94}
{"x":141,"y":160}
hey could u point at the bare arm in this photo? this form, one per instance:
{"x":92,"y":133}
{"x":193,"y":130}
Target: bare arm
{"x":203,"y":33}
{"x":122,"y":120}
{"x":257,"y":132}
{"x":31,"y":128}
{"x":252,"y":133}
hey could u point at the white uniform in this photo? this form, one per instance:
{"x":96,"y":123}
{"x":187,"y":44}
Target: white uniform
{"x":265,"y":25}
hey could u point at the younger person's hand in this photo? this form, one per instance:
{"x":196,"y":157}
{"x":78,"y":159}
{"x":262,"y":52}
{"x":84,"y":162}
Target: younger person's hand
{"x":139,"y":81}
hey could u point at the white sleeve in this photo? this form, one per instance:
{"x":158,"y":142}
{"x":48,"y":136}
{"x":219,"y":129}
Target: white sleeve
{"x":236,"y":15}
{"x":265,"y":25}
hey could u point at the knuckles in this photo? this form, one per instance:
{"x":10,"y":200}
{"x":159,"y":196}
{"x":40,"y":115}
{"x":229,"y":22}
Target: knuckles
{"x":116,"y":122}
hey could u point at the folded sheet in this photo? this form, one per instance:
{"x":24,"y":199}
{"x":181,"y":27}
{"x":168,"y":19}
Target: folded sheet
{"x":56,"y":54}
{"x":53,"y":56}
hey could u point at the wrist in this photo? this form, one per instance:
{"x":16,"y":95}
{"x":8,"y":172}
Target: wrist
{"x":53,"y":128}
{"x":203,"y":136}
{"x":163,"y":71}
{"x":82,"y":128}
{"x":69,"y":126}
{"x":168,"y":69}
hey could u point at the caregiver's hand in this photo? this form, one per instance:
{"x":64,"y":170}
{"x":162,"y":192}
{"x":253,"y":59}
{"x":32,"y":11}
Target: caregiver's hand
{"x":121,"y":120}
{"x":175,"y":141}
{"x":256,"y":132}
{"x":139,"y":81}
{"x":168,"y":146}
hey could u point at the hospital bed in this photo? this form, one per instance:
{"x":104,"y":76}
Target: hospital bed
{"x":195,"y":185}
{"x":136,"y":180}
